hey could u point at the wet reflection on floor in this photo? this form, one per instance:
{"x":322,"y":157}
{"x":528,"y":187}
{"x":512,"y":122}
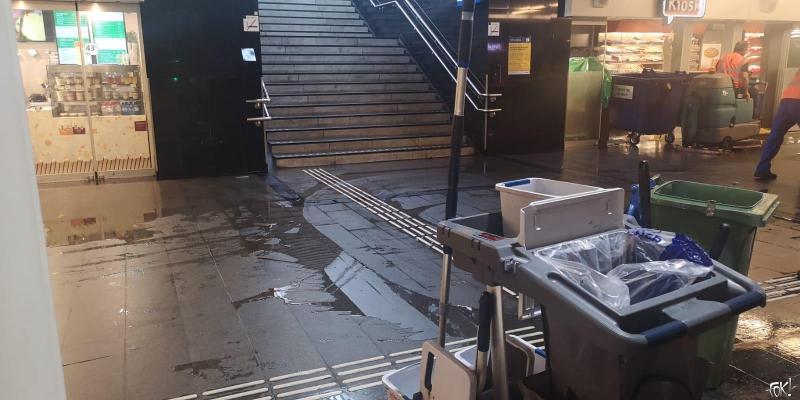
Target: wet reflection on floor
{"x":175,"y":287}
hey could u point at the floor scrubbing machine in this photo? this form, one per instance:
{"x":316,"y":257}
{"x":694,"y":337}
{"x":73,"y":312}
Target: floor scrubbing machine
{"x":714,"y":115}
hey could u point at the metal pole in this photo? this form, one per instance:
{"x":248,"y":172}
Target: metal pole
{"x":499,"y":366}
{"x":486,"y":306}
{"x":464,"y":52}
{"x":719,"y":241}
{"x":444,"y":296}
{"x":451,"y":206}
{"x":644,"y":194}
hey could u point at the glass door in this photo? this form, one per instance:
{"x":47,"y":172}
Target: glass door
{"x":48,"y":40}
{"x":117,"y":90}
{"x":86,"y":90}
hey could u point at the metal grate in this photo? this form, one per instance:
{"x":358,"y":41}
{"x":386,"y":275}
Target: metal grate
{"x":85,"y":166}
{"x":63,"y":167}
{"x":781,"y":288}
{"x":124,"y":164}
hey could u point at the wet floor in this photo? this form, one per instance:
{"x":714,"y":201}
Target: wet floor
{"x":169,"y":288}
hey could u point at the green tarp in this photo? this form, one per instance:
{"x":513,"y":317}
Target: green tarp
{"x":586,"y":64}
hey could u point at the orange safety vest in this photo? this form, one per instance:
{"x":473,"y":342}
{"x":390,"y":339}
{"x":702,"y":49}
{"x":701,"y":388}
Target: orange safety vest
{"x":731,"y":64}
{"x":793,"y":90}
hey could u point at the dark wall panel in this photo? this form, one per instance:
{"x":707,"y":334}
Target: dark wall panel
{"x":198,"y":84}
{"x":534,"y":105}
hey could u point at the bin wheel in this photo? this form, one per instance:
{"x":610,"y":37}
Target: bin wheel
{"x":670,"y":138}
{"x":727,"y":143}
{"x":634,"y":138}
{"x":662,"y":388}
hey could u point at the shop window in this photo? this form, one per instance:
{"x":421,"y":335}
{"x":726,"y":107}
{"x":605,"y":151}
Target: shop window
{"x":754,"y":56}
{"x":626,"y":52}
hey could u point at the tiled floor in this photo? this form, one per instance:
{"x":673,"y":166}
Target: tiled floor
{"x":171,"y":288}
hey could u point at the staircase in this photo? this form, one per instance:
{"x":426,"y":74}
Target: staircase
{"x":340,"y":94}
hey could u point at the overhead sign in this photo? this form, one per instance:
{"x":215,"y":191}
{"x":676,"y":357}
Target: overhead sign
{"x":684,"y":9}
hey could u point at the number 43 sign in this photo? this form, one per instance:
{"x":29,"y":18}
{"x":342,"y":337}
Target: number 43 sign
{"x":684,"y":8}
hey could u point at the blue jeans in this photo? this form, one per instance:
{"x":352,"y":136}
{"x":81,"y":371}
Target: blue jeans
{"x":788,"y":116}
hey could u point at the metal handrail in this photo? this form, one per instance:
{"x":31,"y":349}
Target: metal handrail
{"x":263,"y":103}
{"x":435,"y":53}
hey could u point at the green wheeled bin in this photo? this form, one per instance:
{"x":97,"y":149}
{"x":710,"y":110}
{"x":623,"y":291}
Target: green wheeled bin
{"x":698,"y":210}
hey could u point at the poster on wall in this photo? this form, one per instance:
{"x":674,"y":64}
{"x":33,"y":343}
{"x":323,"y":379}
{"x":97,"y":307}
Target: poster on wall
{"x":709,"y":56}
{"x":102,"y":34}
{"x":519,"y":55}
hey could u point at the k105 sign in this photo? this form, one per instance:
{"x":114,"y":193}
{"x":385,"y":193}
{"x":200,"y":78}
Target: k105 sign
{"x":684,"y":8}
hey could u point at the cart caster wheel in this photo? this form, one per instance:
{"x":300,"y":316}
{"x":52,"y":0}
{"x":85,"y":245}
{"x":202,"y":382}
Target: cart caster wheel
{"x":727,"y":143}
{"x":670,"y":138}
{"x":634,"y":138}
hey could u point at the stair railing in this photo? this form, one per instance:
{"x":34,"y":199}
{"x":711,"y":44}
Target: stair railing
{"x":261,"y":103}
{"x":451,"y":64}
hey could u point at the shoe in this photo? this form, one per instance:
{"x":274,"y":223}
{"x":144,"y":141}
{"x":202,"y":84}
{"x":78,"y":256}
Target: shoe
{"x":766,"y":176}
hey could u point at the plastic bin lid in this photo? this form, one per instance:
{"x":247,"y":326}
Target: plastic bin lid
{"x":739,"y":205}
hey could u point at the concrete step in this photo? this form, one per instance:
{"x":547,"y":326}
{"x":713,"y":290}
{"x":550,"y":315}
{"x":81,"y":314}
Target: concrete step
{"x":309,"y":14}
{"x":303,"y":7}
{"x":327,"y":41}
{"x":354,"y":87}
{"x":350,"y":144}
{"x":337,"y":109}
{"x":337,"y":68}
{"x":333,"y":59}
{"x":313,"y":2}
{"x":312,"y":28}
{"x":364,"y":156}
{"x":345,"y":50}
{"x":442,"y":128}
{"x":333,"y":121}
{"x":343,"y":98}
{"x":302,"y":33}
{"x":269,"y":20}
{"x":344,"y":77}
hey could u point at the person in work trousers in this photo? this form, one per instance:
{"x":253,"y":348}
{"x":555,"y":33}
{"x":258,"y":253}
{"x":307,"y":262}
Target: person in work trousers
{"x":735,"y":66}
{"x":788,"y":115}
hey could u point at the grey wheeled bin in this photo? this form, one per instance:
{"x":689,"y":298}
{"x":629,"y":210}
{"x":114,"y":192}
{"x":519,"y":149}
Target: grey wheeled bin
{"x":643,"y":350}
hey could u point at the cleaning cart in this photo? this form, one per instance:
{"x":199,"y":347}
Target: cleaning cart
{"x":591,"y":322}
{"x":603,"y":342}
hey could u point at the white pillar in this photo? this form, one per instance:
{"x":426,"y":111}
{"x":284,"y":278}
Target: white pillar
{"x":30,"y":362}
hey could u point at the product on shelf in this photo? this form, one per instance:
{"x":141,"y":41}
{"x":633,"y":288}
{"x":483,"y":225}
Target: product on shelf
{"x":101,"y":89}
{"x":756,"y":42}
{"x":625,"y":52}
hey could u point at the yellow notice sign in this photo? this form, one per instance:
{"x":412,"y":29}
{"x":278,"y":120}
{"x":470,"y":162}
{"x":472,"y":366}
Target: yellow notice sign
{"x":519,"y":55}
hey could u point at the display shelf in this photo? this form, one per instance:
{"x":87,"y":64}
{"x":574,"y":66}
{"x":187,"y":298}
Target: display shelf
{"x":756,"y":42}
{"x":100,"y":89}
{"x":624,"y":52}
